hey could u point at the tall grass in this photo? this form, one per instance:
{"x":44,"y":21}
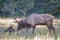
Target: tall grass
{"x":41,"y":32}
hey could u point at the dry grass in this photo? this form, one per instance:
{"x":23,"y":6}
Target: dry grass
{"x":41,"y":32}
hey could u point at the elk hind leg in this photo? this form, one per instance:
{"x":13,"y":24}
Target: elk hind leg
{"x":53,"y":29}
{"x":49,"y":28}
{"x":33,"y":30}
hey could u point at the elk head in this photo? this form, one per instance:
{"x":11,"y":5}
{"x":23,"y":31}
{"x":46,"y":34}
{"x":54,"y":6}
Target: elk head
{"x":21,"y":24}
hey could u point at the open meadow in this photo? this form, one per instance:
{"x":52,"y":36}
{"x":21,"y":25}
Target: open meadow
{"x":41,"y":31}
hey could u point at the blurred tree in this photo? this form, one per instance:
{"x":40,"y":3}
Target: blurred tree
{"x":18,"y":6}
{"x":44,"y":6}
{"x":25,"y":7}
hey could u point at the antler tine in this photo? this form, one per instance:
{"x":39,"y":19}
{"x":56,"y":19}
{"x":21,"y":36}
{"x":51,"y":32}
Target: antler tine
{"x":15,"y":19}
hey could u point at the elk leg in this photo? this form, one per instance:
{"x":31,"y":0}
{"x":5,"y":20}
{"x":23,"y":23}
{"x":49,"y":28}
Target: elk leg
{"x":18,"y":28}
{"x":33,"y":30}
{"x":27,"y":29}
{"x":49,"y":29}
{"x":52,"y":27}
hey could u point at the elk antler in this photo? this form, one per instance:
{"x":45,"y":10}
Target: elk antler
{"x":15,"y":19}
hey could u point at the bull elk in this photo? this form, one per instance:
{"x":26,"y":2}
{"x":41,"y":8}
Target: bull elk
{"x":36,"y":19}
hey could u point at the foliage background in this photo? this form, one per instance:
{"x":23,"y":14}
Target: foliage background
{"x":25,"y":7}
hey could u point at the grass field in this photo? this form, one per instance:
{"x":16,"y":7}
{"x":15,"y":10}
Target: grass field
{"x":41,"y":32}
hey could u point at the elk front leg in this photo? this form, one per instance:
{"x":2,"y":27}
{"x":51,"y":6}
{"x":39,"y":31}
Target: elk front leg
{"x":18,"y":28}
